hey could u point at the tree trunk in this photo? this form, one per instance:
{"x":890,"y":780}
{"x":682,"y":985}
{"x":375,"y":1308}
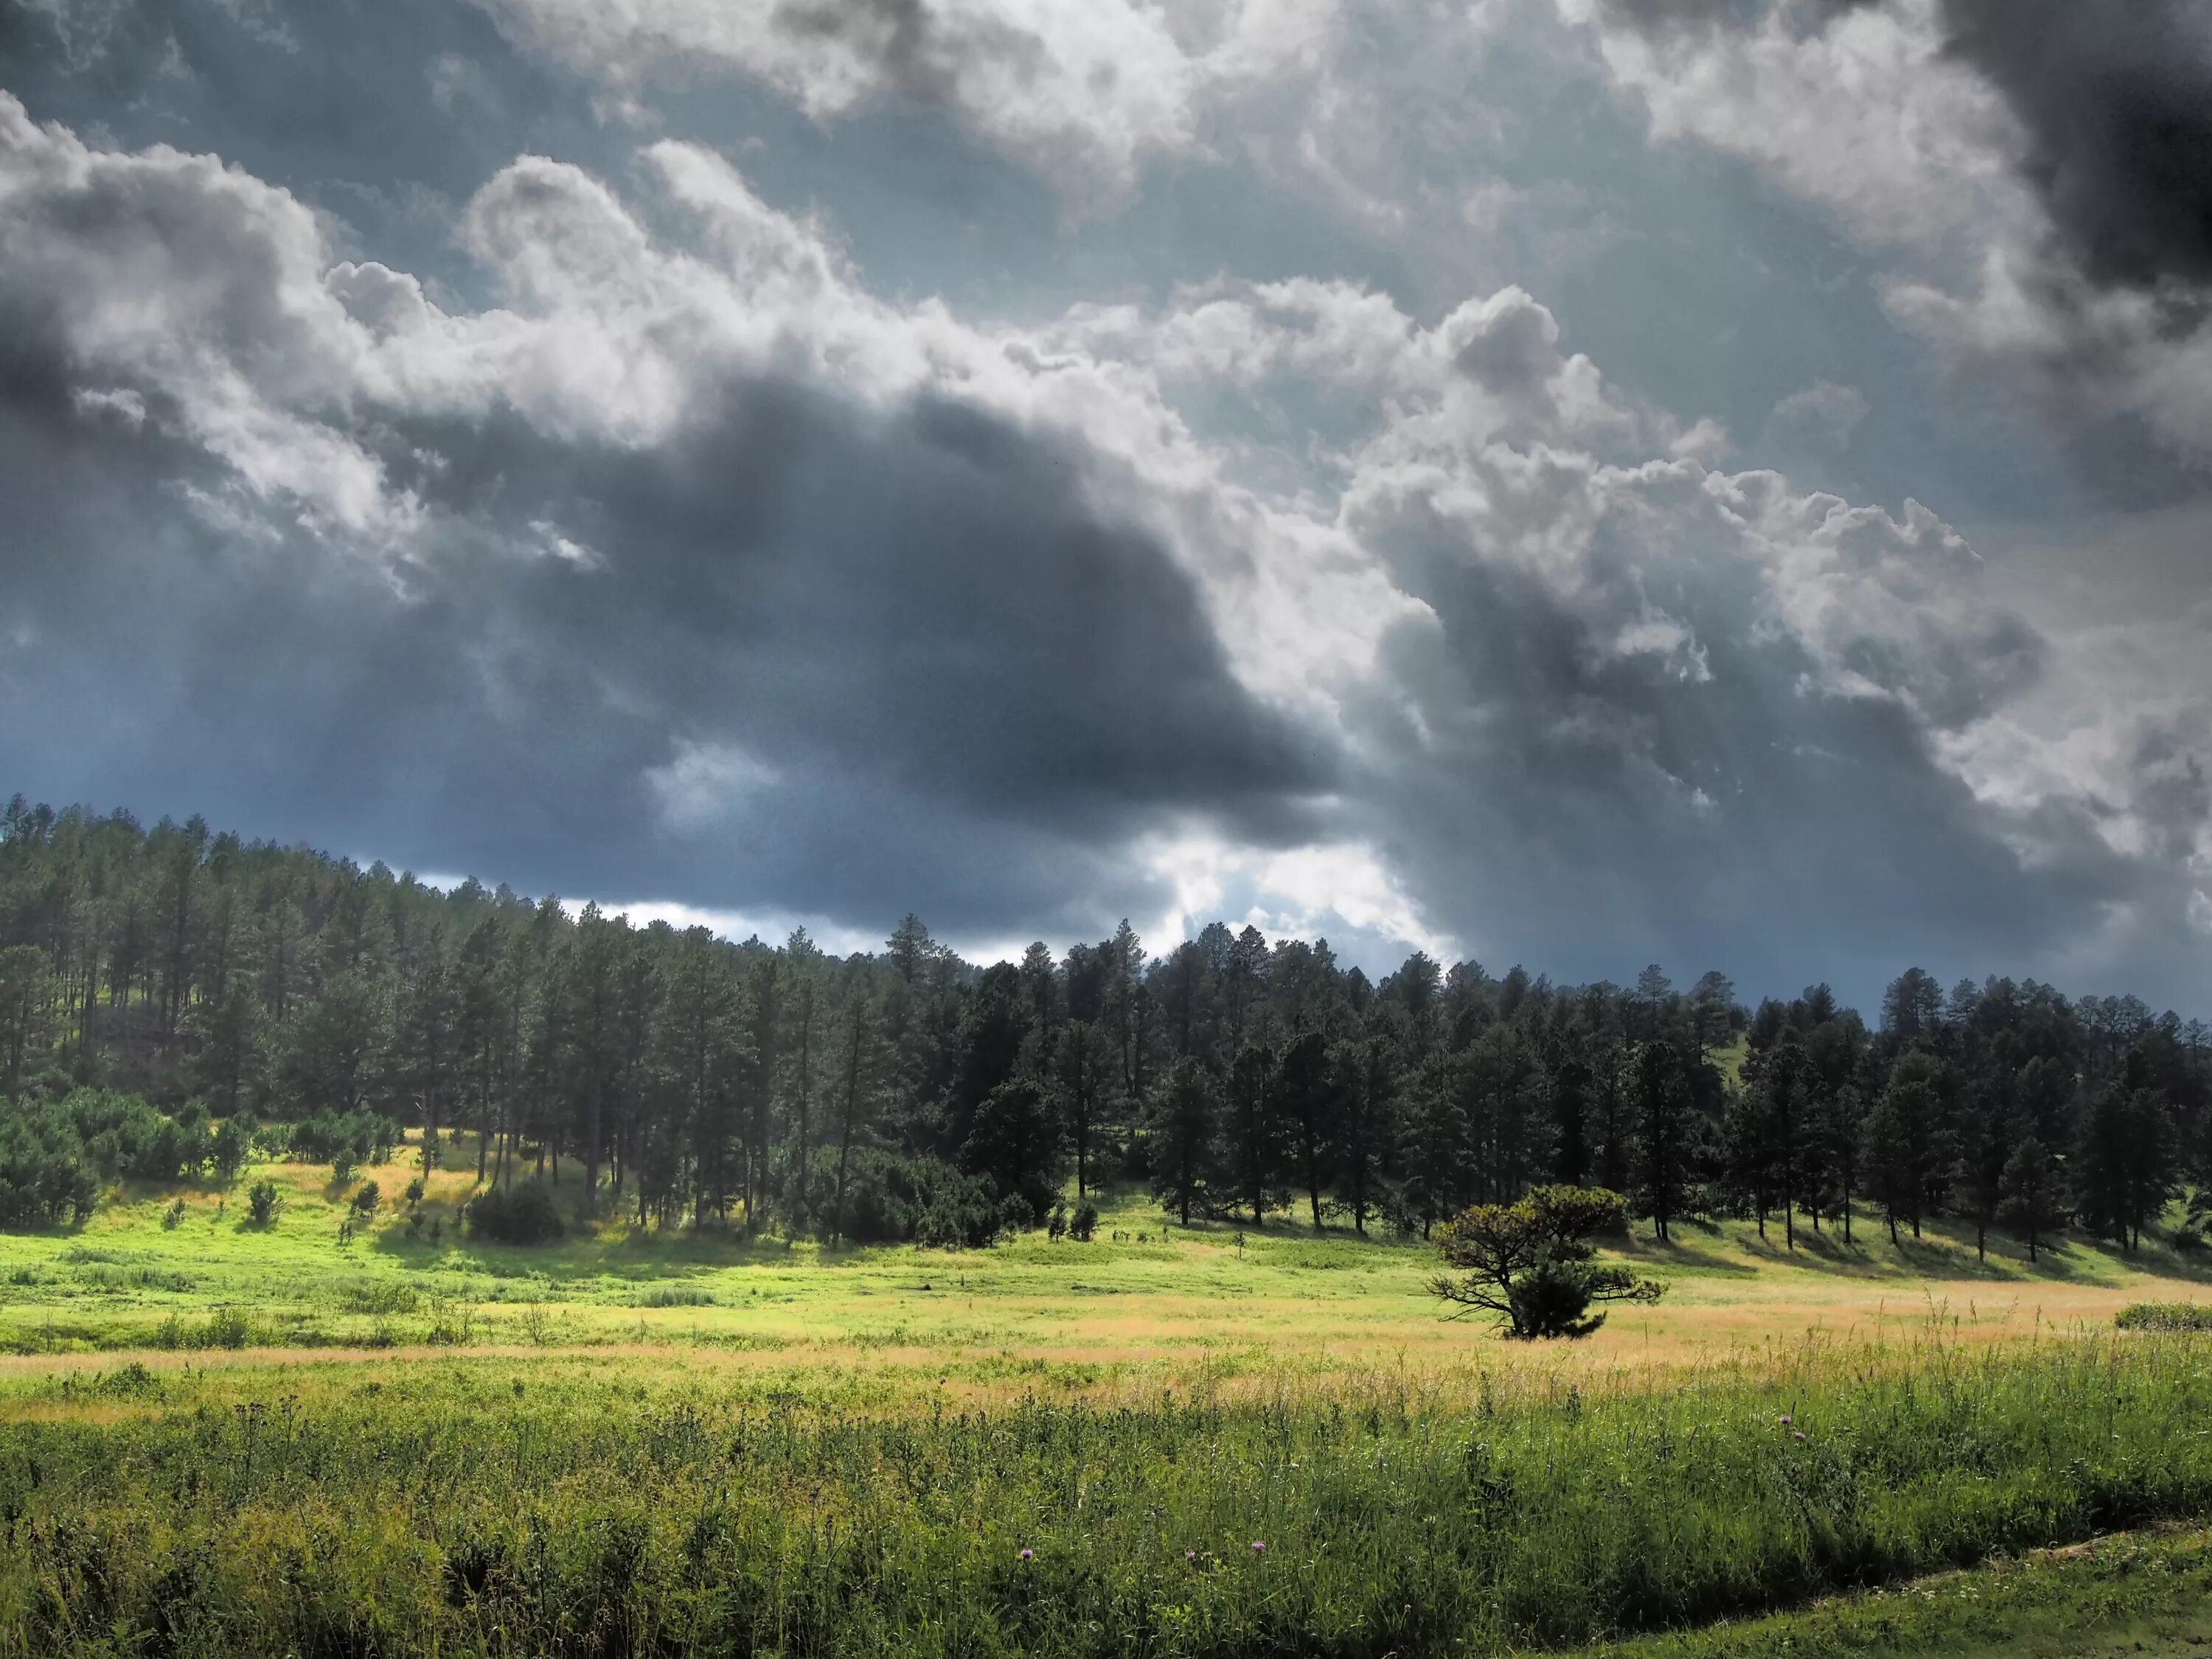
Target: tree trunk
{"x":845,"y":1140}
{"x":592,"y":1127}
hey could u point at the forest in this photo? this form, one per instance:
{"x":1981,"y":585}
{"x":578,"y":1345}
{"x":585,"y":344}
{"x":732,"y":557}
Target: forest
{"x":174,"y":999}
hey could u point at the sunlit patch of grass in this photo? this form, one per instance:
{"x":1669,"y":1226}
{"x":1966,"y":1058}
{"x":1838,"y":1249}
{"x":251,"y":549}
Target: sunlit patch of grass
{"x":1318,"y":1300}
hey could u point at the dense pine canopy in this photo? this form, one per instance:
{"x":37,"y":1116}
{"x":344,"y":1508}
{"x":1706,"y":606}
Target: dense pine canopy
{"x":245,"y":987}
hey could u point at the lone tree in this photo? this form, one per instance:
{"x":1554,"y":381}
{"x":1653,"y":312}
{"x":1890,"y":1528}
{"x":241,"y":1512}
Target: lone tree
{"x":1530,"y":1263}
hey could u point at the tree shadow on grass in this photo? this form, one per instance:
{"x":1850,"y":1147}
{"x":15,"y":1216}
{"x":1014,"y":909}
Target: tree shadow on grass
{"x":674,"y":1257}
{"x":1677,"y":1253}
{"x":1944,"y":1253}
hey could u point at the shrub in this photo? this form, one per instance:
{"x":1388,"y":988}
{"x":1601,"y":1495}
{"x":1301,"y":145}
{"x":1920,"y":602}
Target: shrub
{"x":1016,"y":1214}
{"x":230,"y":1148}
{"x":917,"y":1201}
{"x":352,"y":1139}
{"x":2165,"y":1317}
{"x":674,"y":1296}
{"x":366,"y":1201}
{"x":379,"y":1296}
{"x":56,"y":1153}
{"x":516,"y":1215}
{"x":263,"y":1202}
{"x":1085,"y":1222}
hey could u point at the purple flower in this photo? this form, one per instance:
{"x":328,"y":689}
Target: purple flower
{"x":1785,"y":1417}
{"x":1258,"y":1547}
{"x":1190,"y":1555}
{"x":1801,"y":1434}
{"x":1029,"y":1555}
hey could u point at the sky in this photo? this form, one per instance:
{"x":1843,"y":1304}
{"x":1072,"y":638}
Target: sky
{"x":1579,"y":482}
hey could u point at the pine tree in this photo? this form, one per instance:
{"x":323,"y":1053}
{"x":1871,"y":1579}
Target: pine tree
{"x":2126,"y":1167}
{"x":1182,"y":1139}
{"x":2032,"y":1193}
{"x":1665,"y":1134}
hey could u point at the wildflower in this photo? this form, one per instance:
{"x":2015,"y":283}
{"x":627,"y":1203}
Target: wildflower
{"x":1190,"y":1555}
{"x":1801,"y":1434}
{"x":1029,"y":1555}
{"x":1258,"y":1547}
{"x":1785,"y":1417}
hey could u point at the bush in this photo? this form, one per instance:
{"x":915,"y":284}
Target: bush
{"x":232,"y":1145}
{"x":2165,"y":1317}
{"x":351,"y":1139}
{"x":889,"y":1199}
{"x":366,"y":1201}
{"x":55,"y":1153}
{"x":1085,"y":1223}
{"x":674,"y":1296}
{"x":516,"y":1215}
{"x":44,"y":1180}
{"x":263,"y":1202}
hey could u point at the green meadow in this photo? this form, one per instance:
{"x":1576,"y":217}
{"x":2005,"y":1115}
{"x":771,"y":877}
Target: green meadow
{"x":189,"y":1271}
{"x":333,"y":1434}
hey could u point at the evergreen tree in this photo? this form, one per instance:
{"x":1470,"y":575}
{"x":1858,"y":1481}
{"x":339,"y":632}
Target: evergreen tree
{"x":1181,"y":1139}
{"x":1665,"y":1134}
{"x":2125,"y":1167}
{"x":1305,"y":1097}
{"x":2032,"y":1193}
{"x":1014,"y":1141}
{"x":1251,"y":1153}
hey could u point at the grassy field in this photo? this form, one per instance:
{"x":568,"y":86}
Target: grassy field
{"x":1140,"y":1303}
{"x":217,"y":1437}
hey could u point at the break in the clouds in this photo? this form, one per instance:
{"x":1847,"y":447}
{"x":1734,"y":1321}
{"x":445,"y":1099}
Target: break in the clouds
{"x":536,"y":458}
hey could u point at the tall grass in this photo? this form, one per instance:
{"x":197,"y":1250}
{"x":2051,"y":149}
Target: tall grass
{"x":464,"y":1509}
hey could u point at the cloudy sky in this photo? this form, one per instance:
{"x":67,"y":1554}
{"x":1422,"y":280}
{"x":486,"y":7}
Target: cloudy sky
{"x":1575,"y":482}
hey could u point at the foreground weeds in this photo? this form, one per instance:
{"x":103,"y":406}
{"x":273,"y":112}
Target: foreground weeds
{"x":461,"y":1508}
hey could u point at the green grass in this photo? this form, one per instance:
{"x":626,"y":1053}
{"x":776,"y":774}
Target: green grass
{"x":2125,"y":1597}
{"x":1141,"y":1301}
{"x":483,"y":1505}
{"x":217,"y":1437}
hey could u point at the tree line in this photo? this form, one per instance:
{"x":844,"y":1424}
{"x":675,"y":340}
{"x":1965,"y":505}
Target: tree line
{"x":688,"y":1080}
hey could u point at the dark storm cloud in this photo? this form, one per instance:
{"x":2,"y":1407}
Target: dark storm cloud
{"x":817,"y":658}
{"x":2116,"y":98}
{"x":922,"y":590}
{"x":1587,"y":809}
